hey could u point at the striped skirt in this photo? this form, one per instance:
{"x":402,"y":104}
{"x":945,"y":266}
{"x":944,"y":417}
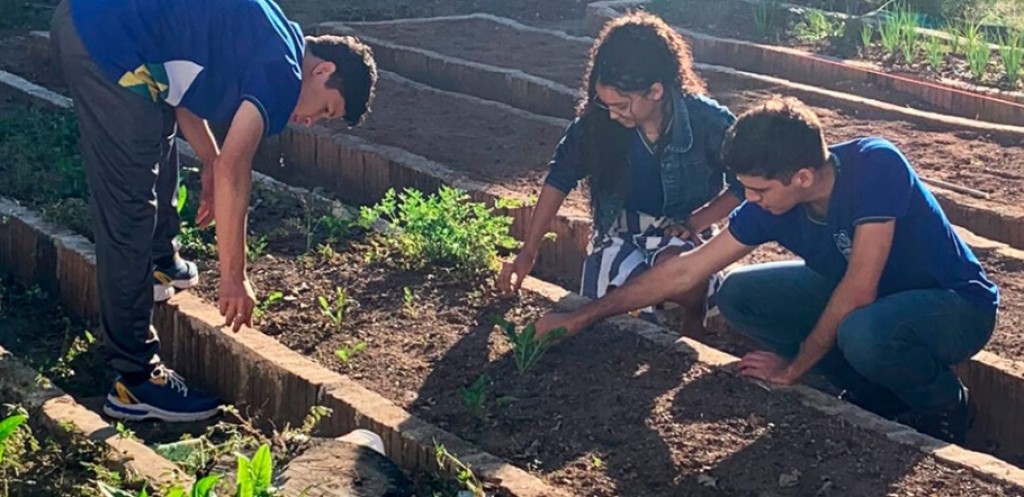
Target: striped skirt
{"x":631,"y":247}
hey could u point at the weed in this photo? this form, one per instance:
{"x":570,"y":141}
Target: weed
{"x":312,"y":419}
{"x":525,"y":348}
{"x":334,"y":311}
{"x":264,"y":305}
{"x":123,"y":432}
{"x":935,"y":50}
{"x":1011,"y":51}
{"x":346,"y":354}
{"x":198,"y":243}
{"x":474,"y":397}
{"x":74,"y":345}
{"x":444,"y":229}
{"x":326,"y":252}
{"x":463,"y":472}
{"x":255,"y":247}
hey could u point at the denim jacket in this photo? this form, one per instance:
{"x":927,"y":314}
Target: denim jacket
{"x":692,"y":172}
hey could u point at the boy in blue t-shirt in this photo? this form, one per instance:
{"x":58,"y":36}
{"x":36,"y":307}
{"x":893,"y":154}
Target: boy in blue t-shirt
{"x":141,"y":70}
{"x":887,"y":297}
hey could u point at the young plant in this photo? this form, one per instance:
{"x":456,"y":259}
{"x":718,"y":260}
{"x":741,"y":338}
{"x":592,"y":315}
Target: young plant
{"x":463,"y":472}
{"x":264,"y":305}
{"x":346,"y":354}
{"x":443,"y":229}
{"x":526,"y":349}
{"x":977,"y":57}
{"x":816,"y":26}
{"x":8,"y":427}
{"x":255,"y":476}
{"x":410,"y":301}
{"x":334,"y":311}
{"x":910,"y":36}
{"x":182,"y":197}
{"x":1011,"y":51}
{"x":889,"y":33}
{"x":935,"y":50}
{"x":867,"y":33}
{"x":765,"y":13}
{"x":256,"y":246}
{"x":474,"y":397}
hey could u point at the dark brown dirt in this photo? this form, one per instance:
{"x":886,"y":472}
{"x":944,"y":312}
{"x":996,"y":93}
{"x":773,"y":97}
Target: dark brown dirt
{"x":15,"y":57}
{"x":603,"y":414}
{"x":310,"y":12}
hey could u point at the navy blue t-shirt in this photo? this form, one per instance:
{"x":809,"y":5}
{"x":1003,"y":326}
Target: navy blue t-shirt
{"x":647,"y":194}
{"x":874,"y":182}
{"x":205,"y":55}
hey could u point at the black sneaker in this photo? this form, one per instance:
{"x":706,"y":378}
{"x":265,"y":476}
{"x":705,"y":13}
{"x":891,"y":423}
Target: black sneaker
{"x":949,"y":424}
{"x":877,"y":400}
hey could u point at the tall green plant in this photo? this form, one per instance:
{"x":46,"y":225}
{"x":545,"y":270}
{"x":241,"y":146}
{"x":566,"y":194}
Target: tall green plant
{"x":1011,"y":51}
{"x":765,"y":17}
{"x":935,"y":50}
{"x":978,"y":54}
{"x":909,"y":35}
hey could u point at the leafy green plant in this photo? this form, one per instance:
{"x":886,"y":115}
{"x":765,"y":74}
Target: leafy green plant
{"x":935,"y":50}
{"x":256,"y":246}
{"x":197,"y":243}
{"x":1011,"y":51}
{"x":955,"y":33}
{"x":8,"y":427}
{"x":255,"y":476}
{"x":345,"y":354}
{"x":463,"y":472}
{"x":816,"y":26}
{"x":334,"y":310}
{"x":182,"y":197}
{"x":977,"y":57}
{"x":264,"y":305}
{"x":444,"y":229}
{"x":526,"y":349}
{"x":909,"y":36}
{"x":889,"y":33}
{"x":766,"y":17}
{"x":474,"y":397}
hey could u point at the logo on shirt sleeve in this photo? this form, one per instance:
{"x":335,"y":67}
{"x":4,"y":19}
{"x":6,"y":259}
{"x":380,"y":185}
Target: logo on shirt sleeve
{"x":844,"y":243}
{"x":148,"y":80}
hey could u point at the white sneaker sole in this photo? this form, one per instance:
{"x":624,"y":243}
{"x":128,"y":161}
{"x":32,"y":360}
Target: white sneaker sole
{"x":165,"y":292}
{"x":142,"y":412}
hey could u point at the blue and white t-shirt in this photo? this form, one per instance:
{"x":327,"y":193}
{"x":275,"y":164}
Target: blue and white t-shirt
{"x":874,"y":182}
{"x":205,"y":55}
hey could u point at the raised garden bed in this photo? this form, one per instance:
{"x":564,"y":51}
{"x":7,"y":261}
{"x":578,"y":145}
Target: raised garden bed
{"x":741,"y":467}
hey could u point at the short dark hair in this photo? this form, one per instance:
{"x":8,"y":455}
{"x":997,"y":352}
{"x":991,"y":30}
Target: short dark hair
{"x":774,"y":140}
{"x":355,"y":75}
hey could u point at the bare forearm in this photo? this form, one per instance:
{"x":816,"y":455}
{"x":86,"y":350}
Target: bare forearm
{"x":822,"y":339}
{"x":656,"y":285}
{"x":547,"y":206}
{"x":198,"y":134}
{"x":232,"y":185}
{"x":714,"y":211}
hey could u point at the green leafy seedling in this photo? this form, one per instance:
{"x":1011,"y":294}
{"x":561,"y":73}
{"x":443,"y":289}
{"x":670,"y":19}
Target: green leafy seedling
{"x":346,"y":354}
{"x":866,"y":35}
{"x":255,"y":476}
{"x":463,"y":472}
{"x":256,"y":246}
{"x":334,"y":311}
{"x":526,"y":349}
{"x":410,"y":300}
{"x":474,"y":397}
{"x":8,"y":427}
{"x":182,"y":197}
{"x":264,"y":305}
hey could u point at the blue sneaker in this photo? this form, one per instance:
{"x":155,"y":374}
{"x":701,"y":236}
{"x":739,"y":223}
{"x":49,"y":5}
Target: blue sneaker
{"x":165,"y":397}
{"x":181,"y":275}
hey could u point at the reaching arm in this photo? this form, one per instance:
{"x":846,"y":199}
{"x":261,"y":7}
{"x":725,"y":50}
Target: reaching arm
{"x":858,"y":288}
{"x":714,"y":211}
{"x":657,"y":284}
{"x":547,"y":206}
{"x":198,"y":134}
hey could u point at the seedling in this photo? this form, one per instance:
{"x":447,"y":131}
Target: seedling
{"x":474,"y":397}
{"x":1011,"y":51}
{"x":526,"y":349}
{"x":765,"y":17}
{"x":816,"y":26}
{"x":334,"y":311}
{"x":264,"y":305}
{"x":182,"y":197}
{"x":464,"y":473}
{"x":123,"y":432}
{"x":889,"y":34}
{"x":256,"y":246}
{"x":977,"y":57}
{"x":866,"y":35}
{"x":8,"y":427}
{"x":908,"y":35}
{"x":326,"y":252}
{"x":346,"y":354}
{"x":936,"y":52}
{"x":255,"y":476}
{"x":410,"y":300}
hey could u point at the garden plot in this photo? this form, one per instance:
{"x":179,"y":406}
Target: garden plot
{"x":992,"y":164}
{"x":644,"y":378}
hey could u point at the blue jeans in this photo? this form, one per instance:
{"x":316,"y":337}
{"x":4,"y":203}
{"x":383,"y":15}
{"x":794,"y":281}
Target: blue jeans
{"x":906,"y":342}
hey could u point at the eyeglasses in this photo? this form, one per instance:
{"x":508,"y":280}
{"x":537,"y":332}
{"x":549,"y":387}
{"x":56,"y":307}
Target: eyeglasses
{"x":621,"y":108}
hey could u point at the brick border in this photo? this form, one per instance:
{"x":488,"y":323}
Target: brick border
{"x":821,"y":70}
{"x":283,"y":384}
{"x":1001,"y":222}
{"x":64,"y":418}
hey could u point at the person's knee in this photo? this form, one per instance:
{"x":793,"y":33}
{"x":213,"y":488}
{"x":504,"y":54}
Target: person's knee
{"x":733,"y":296}
{"x":866,"y":341}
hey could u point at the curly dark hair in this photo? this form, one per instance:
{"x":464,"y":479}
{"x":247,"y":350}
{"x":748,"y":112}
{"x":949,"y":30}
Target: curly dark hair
{"x":632,"y":53}
{"x":356,"y":74}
